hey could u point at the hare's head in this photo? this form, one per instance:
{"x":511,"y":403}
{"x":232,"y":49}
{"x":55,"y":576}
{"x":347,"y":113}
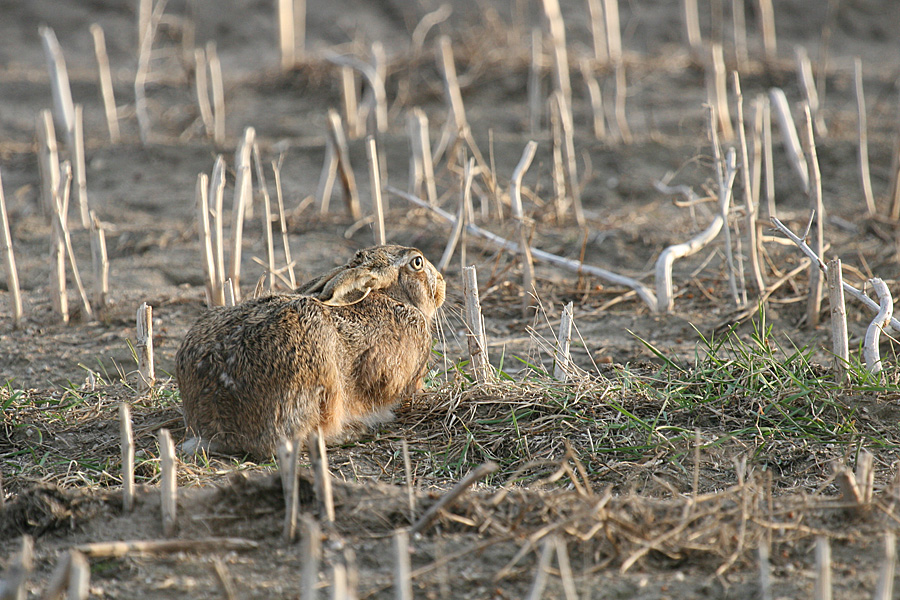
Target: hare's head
{"x":399,"y":272}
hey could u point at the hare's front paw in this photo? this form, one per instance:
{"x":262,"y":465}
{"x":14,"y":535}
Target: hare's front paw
{"x":193,"y":446}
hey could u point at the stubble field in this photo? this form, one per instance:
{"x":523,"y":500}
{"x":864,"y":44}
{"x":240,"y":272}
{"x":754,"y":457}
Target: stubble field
{"x":680,"y":444}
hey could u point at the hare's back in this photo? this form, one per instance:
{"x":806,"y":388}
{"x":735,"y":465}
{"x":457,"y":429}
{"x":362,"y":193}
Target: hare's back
{"x":253,"y":374}
{"x":257,"y":346}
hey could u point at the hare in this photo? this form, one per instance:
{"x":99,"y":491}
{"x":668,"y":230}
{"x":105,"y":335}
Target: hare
{"x":342,"y":350}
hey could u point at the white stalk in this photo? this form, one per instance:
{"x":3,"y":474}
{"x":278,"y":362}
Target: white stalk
{"x":871,"y":351}
{"x":778,"y":101}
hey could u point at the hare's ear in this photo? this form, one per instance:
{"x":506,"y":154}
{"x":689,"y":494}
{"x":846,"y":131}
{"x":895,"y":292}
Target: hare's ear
{"x":351,"y":286}
{"x":315,"y":286}
{"x":371,"y":269}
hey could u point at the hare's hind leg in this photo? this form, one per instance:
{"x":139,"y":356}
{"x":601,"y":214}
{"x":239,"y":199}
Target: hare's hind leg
{"x":301,"y":413}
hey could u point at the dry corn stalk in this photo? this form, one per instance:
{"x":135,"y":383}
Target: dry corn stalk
{"x":202,"y":87}
{"x":318,"y":461}
{"x":863,"y":139}
{"x":724,"y":208}
{"x":621,"y":94}
{"x":557,"y":170}
{"x":461,"y":219}
{"x":416,"y":168}
{"x":342,"y":151}
{"x":267,"y":217}
{"x":598,"y":31}
{"x":692,"y":27}
{"x":557,"y":31}
{"x":68,"y":116}
{"x":716,"y":90}
{"x":873,"y":332}
{"x":613,"y":31}
{"x":375,"y":80}
{"x":478,"y":357}
{"x":144,"y":346}
{"x":287,"y":466}
{"x":778,"y":101}
{"x":218,"y":93}
{"x":216,"y":198}
{"x":310,"y":555}
{"x":740,"y":33}
{"x":61,"y":232}
{"x":857,"y":488}
{"x":768,"y":158}
{"x":229,"y":293}
{"x":127,"y":441}
{"x":425,"y":25}
{"x":276,"y":170}
{"x":12,"y":276}
{"x":58,"y":250}
{"x":350,"y":102}
{"x":808,"y":84}
{"x":451,"y":86}
{"x":327,"y":176}
{"x":206,"y":247}
{"x":63,"y":106}
{"x":894,"y":187}
{"x":375,"y":184}
{"x":100,"y":262}
{"x":561,"y":360}
{"x":285,"y":16}
{"x":535,"y":94}
{"x":145,"y":9}
{"x":596,"y":97}
{"x":80,"y":178}
{"x":823,"y":569}
{"x":373,"y":103}
{"x":541,"y":572}
{"x":817,"y":208}
{"x":243,"y":198}
{"x":765,"y":570}
{"x":168,"y":487}
{"x":421,"y":162}
{"x":767,"y":25}
{"x":840,"y":344}
{"x":79,"y":576}
{"x":300,"y":29}
{"x":515,"y":199}
{"x":571,"y":168}
{"x":402,"y":578}
{"x":146,"y":35}
{"x":15,"y":577}
{"x":757,"y":150}
{"x":885,"y":588}
{"x":750,"y":206}
{"x":106,"y":86}
{"x":48,"y":160}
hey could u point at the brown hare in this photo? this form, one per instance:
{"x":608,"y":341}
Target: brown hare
{"x":342,"y":350}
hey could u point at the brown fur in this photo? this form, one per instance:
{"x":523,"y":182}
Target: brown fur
{"x":355,"y":341}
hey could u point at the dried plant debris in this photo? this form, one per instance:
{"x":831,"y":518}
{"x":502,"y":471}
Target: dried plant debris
{"x":710,"y":451}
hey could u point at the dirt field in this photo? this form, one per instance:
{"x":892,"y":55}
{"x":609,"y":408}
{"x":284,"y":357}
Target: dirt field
{"x":604,"y":465}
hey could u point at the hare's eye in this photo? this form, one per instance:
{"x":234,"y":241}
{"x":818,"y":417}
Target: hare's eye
{"x":417,"y":263}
